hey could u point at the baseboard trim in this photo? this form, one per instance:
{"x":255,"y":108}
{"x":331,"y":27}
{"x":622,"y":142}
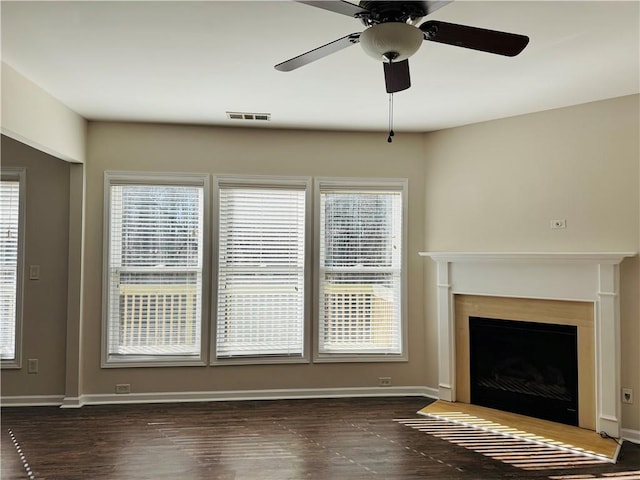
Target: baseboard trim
{"x":433,"y":393}
{"x":238,"y":395}
{"x":630,"y":435}
{"x":32,"y":401}
{"x":72,"y":402}
{"x":230,"y":395}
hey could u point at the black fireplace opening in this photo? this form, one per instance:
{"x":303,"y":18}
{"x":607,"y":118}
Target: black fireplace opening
{"x":525,"y":367}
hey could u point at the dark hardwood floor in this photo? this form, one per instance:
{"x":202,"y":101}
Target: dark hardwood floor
{"x":263,"y":440}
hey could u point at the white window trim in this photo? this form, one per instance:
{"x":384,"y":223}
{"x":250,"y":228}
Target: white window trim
{"x":19,"y":174}
{"x":265,"y":181}
{"x":399,"y":184}
{"x":155,"y":178}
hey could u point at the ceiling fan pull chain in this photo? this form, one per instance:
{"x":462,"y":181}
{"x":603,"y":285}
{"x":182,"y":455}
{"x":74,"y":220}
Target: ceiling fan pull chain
{"x":391,"y":132}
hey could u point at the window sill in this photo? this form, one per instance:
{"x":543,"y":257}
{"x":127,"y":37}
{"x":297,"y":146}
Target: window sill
{"x":259,"y":361}
{"x":135,"y":361}
{"x":359,"y":358}
{"x":10,"y":365}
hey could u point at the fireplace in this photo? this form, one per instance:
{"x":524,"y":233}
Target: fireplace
{"x":525,"y":367}
{"x":537,"y":318}
{"x":524,"y":285}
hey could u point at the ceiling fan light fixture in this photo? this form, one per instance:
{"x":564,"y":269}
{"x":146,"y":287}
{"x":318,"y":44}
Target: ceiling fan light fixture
{"x":392,"y":39}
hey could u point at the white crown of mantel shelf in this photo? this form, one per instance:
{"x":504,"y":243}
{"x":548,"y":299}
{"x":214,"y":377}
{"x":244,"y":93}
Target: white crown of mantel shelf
{"x":570,"y":276}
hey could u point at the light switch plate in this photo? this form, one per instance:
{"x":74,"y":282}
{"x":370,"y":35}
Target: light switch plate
{"x":32,"y":365}
{"x":34,"y":272}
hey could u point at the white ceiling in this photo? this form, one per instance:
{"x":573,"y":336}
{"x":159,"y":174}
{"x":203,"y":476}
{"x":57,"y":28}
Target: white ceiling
{"x":190,"y":62}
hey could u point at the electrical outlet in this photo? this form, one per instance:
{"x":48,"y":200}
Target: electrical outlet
{"x":123,"y":388}
{"x":627,"y":395}
{"x":384,"y":381}
{"x":555,"y":224}
{"x":32,"y":365}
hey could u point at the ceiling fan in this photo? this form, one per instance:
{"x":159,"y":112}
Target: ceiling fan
{"x":393,"y":35}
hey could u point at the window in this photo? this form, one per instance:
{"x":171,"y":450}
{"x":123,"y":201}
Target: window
{"x":156,"y":250}
{"x":261,"y":269}
{"x":360,"y":275}
{"x":154,"y":267}
{"x":12,"y":191}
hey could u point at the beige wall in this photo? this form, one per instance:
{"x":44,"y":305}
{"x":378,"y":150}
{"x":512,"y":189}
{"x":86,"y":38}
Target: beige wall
{"x":114,"y":146}
{"x":495,"y":186}
{"x":45,"y":300}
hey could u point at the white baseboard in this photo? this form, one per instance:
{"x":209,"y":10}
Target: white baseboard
{"x":430,"y":392}
{"x":31,"y":400}
{"x":232,"y":395}
{"x":630,"y":435}
{"x":71,"y":402}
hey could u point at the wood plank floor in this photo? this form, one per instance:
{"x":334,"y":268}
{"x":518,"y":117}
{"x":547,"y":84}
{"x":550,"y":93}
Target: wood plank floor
{"x":263,"y":440}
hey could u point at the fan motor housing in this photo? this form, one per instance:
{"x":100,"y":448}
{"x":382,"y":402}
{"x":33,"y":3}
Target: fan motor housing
{"x":394,"y":11}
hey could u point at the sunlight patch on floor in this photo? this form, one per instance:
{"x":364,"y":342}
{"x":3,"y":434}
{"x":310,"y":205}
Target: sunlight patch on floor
{"x":504,"y":445}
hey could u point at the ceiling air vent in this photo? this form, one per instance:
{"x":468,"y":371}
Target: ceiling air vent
{"x":248,"y":116}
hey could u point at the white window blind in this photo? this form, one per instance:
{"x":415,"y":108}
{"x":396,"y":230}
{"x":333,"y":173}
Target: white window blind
{"x":360,"y":278}
{"x":9,"y":272}
{"x":155,"y":270}
{"x":261,"y":270}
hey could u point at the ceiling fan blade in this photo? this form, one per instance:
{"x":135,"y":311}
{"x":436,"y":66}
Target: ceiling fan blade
{"x":344,"y":8}
{"x":318,"y":53}
{"x":491,"y":41}
{"x":396,"y":76}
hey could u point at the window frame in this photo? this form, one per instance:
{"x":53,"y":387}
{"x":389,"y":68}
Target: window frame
{"x":18,"y":174}
{"x":374,"y":184}
{"x":112,"y":178}
{"x":267,"y":181}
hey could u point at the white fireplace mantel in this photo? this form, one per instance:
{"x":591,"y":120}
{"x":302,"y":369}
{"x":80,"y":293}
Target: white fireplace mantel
{"x":590,"y":276}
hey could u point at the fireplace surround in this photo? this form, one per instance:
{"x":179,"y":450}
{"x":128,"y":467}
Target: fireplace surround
{"x":588,"y":281}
